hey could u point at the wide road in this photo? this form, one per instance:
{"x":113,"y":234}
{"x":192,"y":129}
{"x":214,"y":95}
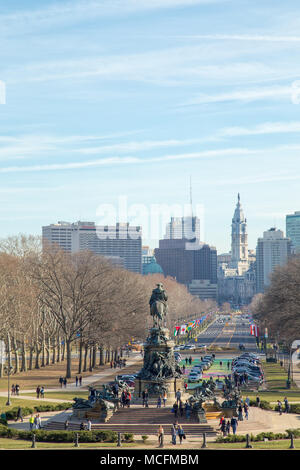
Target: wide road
{"x":228,"y":333}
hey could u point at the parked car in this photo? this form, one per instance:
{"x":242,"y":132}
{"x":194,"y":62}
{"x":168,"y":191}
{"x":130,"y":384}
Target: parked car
{"x":194,"y":377}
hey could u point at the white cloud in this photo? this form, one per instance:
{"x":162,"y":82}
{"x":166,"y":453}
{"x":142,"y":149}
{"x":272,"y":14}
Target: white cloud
{"x":242,"y":95}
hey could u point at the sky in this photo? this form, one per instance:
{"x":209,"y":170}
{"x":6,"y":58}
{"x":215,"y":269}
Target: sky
{"x":133,"y":99}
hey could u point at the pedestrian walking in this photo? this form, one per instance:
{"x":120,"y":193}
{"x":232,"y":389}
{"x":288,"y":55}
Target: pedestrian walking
{"x":221,"y":363}
{"x":227,"y":427}
{"x":246,"y":410}
{"x":233,"y":424}
{"x":160,"y":435}
{"x":145,"y":396}
{"x":181,"y":409}
{"x":286,"y":405}
{"x":187,"y":407}
{"x":42,"y":392}
{"x":175,"y":409}
{"x":165,"y":396}
{"x":174,"y":433}
{"x":31,"y":422}
{"x":76,"y":380}
{"x":82,"y":426}
{"x":178,"y":395}
{"x":279,"y":404}
{"x":38,"y":422}
{"x":17,"y":387}
{"x":65,"y":382}
{"x":181,"y":434}
{"x":159,"y":402}
{"x":80,"y":381}
{"x":19,"y":415}
{"x":258,"y":401}
{"x":61,"y":381}
{"x":223,"y":427}
{"x":38,"y":391}
{"x":13,"y":389}
{"x":89,"y":425}
{"x":240,"y":413}
{"x":66,"y":424}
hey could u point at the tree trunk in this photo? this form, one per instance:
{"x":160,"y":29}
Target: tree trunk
{"x":69,"y":359}
{"x":101,"y":356}
{"x":16,"y":354}
{"x":58,"y":350}
{"x":85,"y":358}
{"x":48,"y":351}
{"x":37,"y":358}
{"x":53,"y":351}
{"x":43,"y":350}
{"x":30,"y":358}
{"x":80,"y":358}
{"x":8,"y":350}
{"x":90,"y":366}
{"x":94,"y":356}
{"x":23,"y":358}
{"x":63,"y":350}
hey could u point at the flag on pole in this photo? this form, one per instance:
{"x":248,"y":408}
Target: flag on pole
{"x":182,"y":329}
{"x":254,"y":331}
{"x":176,"y":330}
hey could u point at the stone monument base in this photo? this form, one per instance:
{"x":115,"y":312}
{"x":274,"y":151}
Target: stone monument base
{"x":153,"y":388}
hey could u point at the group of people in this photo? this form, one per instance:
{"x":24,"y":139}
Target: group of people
{"x":286,"y":406}
{"x":162,"y":399}
{"x":35,"y":422}
{"x":227,"y":425}
{"x":125,"y":398}
{"x":177,"y":430}
{"x":40,"y":392}
{"x":15,"y":389}
{"x":240,"y":379}
{"x":118,"y":363}
{"x":63,"y":381}
{"x":188,"y":360}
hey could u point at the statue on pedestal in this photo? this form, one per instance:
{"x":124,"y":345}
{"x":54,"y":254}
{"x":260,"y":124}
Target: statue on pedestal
{"x":158,"y":306}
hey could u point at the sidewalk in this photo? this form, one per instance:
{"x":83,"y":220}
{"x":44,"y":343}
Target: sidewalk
{"x":109,"y":372}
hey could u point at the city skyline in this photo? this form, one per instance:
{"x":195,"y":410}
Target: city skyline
{"x":180,"y":88}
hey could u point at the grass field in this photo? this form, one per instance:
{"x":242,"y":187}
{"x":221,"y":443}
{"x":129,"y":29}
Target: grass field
{"x":62,"y":395}
{"x":16,"y":402}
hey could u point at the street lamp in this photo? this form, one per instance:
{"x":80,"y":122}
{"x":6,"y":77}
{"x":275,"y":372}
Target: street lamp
{"x":8,"y":370}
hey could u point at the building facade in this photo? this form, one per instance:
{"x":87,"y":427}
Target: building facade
{"x":273,"y":249}
{"x":120,"y":243}
{"x":293,"y":230}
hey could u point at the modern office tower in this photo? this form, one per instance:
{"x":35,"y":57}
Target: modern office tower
{"x":272,"y":250}
{"x":121,"y":243}
{"x":187,"y":228}
{"x":185,"y":260}
{"x":239,"y":241}
{"x":293,"y":230}
{"x":59,"y":234}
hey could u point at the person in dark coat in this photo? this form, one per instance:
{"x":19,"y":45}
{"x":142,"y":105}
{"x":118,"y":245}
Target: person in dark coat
{"x":19,"y":414}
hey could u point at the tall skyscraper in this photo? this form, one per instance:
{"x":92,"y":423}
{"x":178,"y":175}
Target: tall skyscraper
{"x":239,"y":240}
{"x":272,"y":250}
{"x":293,"y":230}
{"x":120,"y":243}
{"x":183,"y":228}
{"x":186,"y":260}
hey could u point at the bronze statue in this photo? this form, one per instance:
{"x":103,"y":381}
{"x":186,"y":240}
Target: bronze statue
{"x":158,"y":306}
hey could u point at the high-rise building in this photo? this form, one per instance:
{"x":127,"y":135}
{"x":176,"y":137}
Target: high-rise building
{"x":273,"y":249}
{"x":293,"y":230}
{"x":186,"y":260}
{"x":120,"y":243}
{"x":183,"y":228}
{"x":239,"y":240}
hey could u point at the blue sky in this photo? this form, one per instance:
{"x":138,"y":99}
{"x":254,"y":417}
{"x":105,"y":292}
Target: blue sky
{"x":130,"y":97}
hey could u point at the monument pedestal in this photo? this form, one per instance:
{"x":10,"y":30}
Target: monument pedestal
{"x":160,"y":372}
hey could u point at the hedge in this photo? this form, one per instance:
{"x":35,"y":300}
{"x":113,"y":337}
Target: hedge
{"x":63,"y":436}
{"x":13,"y":412}
{"x":260,"y":437}
{"x":264,"y":405}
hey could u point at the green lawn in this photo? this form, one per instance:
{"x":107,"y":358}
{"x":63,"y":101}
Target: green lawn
{"x":20,"y":444}
{"x":61,"y":395}
{"x":275,"y":376}
{"x":15,"y":402}
{"x":283,"y":444}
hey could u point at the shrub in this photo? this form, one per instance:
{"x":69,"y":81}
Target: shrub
{"x":145,"y":439}
{"x":128,"y":437}
{"x":59,"y":436}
